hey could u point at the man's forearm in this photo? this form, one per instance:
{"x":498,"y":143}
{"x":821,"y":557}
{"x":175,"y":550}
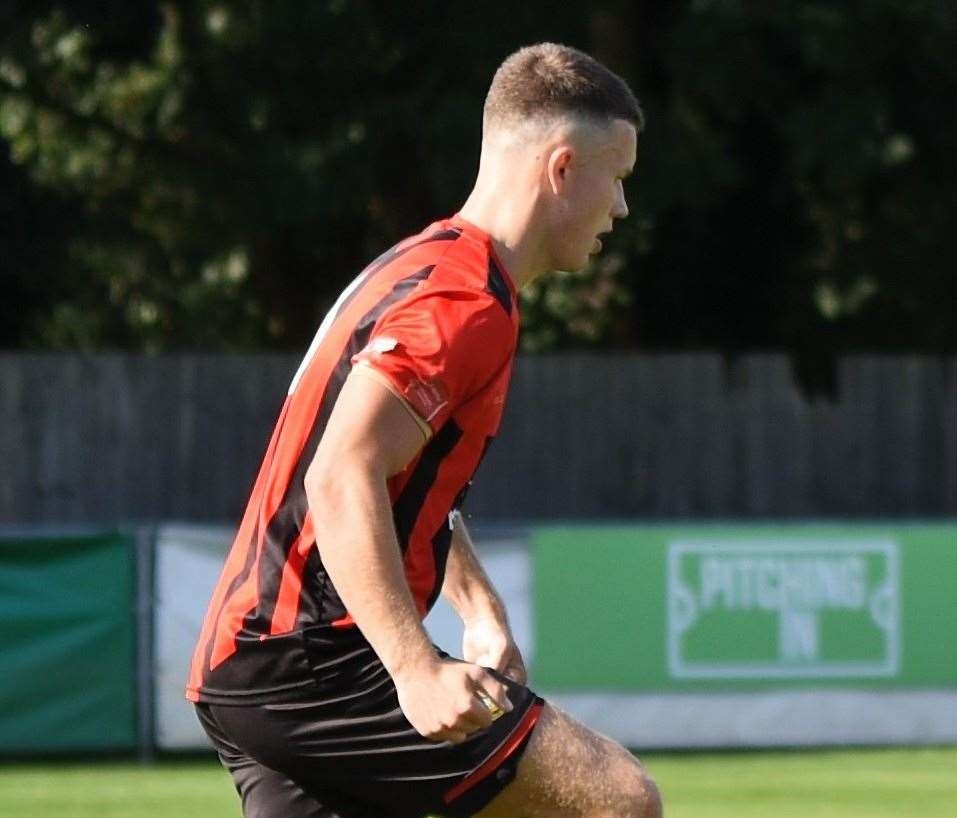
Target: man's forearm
{"x":356,"y":538}
{"x":467,"y":587}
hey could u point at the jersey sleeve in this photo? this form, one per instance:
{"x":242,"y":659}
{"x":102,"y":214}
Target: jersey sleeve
{"x":438,"y":349}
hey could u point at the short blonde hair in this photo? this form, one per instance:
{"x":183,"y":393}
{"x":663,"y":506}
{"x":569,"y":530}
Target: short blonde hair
{"x":550,"y":80}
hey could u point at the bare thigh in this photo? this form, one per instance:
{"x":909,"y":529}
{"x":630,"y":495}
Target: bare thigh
{"x":569,"y":771}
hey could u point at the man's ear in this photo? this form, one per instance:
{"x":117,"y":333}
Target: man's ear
{"x":559,"y":161}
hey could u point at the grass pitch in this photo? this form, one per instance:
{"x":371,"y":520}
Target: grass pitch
{"x":832,"y":784}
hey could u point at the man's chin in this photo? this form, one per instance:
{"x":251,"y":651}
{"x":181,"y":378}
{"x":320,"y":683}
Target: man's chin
{"x":570,"y":269}
{"x":572,"y":265}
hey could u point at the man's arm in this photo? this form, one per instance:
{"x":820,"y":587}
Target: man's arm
{"x":488,"y":639}
{"x":371,"y":436}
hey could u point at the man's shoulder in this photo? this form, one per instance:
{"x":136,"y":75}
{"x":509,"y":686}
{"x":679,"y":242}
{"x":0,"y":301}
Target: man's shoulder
{"x":468,"y":265}
{"x":452,"y":260}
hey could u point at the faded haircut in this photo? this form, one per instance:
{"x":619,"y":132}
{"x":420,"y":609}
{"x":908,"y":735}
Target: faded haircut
{"x":545,"y":81}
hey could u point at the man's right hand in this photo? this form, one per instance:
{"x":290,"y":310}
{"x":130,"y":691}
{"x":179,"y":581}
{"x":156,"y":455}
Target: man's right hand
{"x":439,"y":698}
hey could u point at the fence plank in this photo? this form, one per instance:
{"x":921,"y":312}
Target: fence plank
{"x":948,"y":451}
{"x":15,"y":450}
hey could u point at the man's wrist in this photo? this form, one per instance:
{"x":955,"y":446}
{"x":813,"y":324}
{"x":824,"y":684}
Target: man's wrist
{"x":412,"y":663}
{"x":490,"y":609}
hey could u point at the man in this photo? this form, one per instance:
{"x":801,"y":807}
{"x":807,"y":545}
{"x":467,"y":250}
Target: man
{"x":313,"y":675}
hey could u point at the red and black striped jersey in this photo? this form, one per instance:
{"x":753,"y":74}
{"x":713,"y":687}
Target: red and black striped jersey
{"x":436,"y":316}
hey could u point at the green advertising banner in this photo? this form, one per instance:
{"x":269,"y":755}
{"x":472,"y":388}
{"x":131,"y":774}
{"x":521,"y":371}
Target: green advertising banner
{"x":67,"y":666}
{"x":737,"y":608}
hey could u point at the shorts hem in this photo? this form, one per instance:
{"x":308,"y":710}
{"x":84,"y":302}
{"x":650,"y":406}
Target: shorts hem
{"x":485,"y":782}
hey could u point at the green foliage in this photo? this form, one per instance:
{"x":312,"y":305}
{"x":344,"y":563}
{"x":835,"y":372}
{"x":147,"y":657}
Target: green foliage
{"x":236,"y":166}
{"x":210,"y":174}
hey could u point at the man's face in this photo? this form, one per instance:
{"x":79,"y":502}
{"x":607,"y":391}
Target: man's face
{"x":591,"y":195}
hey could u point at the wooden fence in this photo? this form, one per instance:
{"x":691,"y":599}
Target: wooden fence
{"x":120,"y":438}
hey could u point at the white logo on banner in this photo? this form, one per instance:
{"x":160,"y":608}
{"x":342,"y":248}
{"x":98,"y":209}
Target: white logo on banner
{"x":729,"y":601}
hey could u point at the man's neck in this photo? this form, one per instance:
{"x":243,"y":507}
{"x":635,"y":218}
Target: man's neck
{"x":509,"y":222}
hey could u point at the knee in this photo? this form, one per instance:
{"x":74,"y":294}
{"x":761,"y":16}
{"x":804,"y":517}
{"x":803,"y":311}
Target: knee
{"x":637,"y":795}
{"x":647,"y":804}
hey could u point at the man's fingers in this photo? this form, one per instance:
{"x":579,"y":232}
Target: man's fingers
{"x":477,"y":717}
{"x":452,"y":736}
{"x":512,"y":666}
{"x":494,"y":690}
{"x":480,"y":714}
{"x":462,"y":699}
{"x":516,"y":673}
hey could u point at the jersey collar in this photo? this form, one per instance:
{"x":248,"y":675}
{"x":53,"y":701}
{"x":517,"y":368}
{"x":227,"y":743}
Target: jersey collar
{"x":477,"y":232}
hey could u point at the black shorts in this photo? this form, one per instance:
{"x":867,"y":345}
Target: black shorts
{"x":355,"y":755}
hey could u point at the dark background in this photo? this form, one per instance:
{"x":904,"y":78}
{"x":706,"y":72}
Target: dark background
{"x":206,"y":176}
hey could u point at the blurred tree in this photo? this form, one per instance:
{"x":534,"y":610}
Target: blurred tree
{"x":231,"y":164}
{"x":211,"y":173}
{"x":803,"y":194}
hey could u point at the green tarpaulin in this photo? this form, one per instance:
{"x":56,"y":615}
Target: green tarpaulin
{"x":68,"y":649}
